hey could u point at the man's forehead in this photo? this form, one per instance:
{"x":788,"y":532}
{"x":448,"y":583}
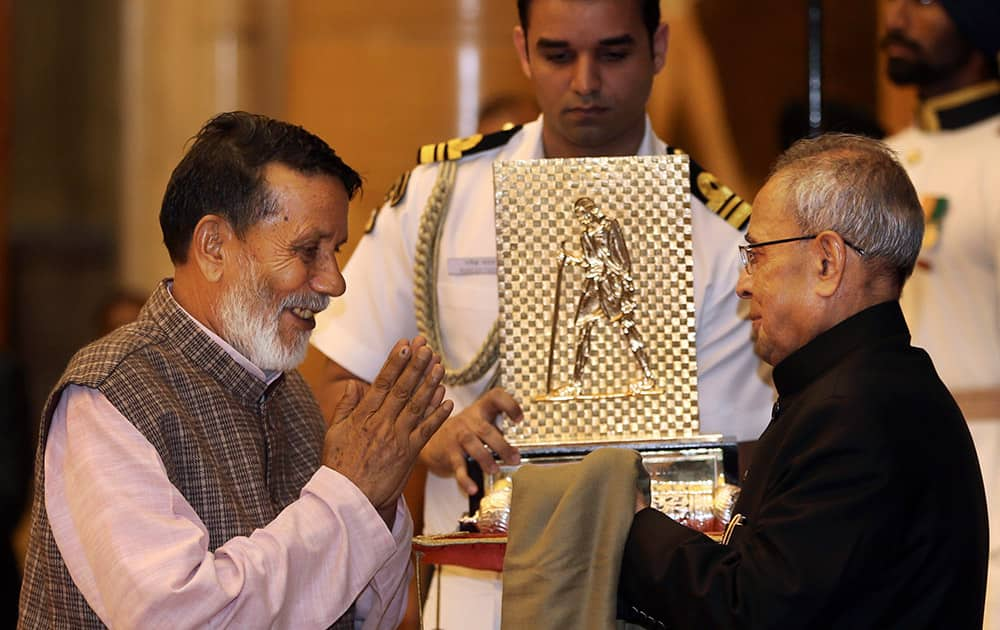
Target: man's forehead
{"x":613,"y":40}
{"x":283,"y":178}
{"x":619,"y":6}
{"x":307,"y":230}
{"x":769,"y":209}
{"x":296,"y":228}
{"x":603,"y":21}
{"x":309,"y":206}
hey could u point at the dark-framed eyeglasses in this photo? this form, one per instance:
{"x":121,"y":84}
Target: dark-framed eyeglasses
{"x":747,"y":256}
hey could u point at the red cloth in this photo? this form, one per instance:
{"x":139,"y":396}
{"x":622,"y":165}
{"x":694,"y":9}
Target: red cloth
{"x":474,"y":551}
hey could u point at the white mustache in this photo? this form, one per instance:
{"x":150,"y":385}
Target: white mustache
{"x":309,"y":301}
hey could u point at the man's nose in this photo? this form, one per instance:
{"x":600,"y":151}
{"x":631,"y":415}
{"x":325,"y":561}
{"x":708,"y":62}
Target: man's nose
{"x":586,"y":75}
{"x":743,"y":284}
{"x":896,"y":14}
{"x":327,"y":278}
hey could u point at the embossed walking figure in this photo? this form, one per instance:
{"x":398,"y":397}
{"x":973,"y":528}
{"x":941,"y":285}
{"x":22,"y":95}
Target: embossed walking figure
{"x":608,"y":293}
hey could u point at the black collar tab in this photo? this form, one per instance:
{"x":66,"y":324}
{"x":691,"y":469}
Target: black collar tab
{"x":960,"y":108}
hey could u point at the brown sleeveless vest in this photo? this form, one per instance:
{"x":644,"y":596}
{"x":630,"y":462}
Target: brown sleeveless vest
{"x":238,"y":450}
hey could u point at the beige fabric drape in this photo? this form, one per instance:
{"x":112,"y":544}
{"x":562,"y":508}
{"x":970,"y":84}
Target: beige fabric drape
{"x":567,"y":532}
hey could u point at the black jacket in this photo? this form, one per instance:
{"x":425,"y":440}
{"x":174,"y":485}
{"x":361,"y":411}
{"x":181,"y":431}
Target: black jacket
{"x":864,"y":504}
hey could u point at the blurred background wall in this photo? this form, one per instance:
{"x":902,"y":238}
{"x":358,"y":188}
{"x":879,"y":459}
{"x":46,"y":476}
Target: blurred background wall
{"x":102,"y":97}
{"x":98,"y":99}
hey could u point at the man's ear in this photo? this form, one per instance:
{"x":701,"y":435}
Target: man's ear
{"x":208,"y":246}
{"x":521,"y":45}
{"x":830,"y":262}
{"x":660,"y":38}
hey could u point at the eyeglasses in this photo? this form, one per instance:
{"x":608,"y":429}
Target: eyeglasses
{"x":747,"y":256}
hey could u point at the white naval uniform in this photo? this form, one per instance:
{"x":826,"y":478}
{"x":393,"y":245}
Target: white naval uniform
{"x":378,"y":309}
{"x":952,"y":302}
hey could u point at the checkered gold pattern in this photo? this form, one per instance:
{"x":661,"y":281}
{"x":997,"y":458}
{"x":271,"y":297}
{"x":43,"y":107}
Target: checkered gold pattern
{"x":649,"y":196}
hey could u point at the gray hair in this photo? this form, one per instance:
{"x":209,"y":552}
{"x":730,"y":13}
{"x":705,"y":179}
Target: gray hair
{"x":856,"y":187}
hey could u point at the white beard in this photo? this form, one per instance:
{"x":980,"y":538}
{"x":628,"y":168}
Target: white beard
{"x":250,"y":316}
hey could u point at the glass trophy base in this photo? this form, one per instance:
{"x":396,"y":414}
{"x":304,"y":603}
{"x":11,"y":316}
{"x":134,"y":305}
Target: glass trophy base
{"x":688,"y":482}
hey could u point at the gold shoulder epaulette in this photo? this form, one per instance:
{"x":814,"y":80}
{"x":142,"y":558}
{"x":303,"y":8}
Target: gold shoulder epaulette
{"x":397,"y":190}
{"x":719,"y":198}
{"x":392,"y":198}
{"x":458,"y":148}
{"x":451,"y":150}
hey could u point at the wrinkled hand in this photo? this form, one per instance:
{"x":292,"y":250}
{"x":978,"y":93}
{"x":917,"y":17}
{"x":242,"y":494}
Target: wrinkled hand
{"x":376,"y":435}
{"x":473,"y":432}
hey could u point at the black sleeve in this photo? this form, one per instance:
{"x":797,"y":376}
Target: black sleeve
{"x":649,"y":549}
{"x":824,"y":514}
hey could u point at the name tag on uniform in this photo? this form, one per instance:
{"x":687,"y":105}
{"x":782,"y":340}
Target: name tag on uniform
{"x":472,"y":266}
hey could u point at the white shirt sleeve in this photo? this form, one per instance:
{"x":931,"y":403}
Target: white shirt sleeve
{"x":139,"y":553}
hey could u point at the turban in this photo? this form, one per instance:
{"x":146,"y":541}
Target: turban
{"x":978,"y":21}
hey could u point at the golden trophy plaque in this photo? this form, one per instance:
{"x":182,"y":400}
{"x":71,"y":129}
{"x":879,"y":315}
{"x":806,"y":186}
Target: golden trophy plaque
{"x":595,"y":274}
{"x":596,"y":284}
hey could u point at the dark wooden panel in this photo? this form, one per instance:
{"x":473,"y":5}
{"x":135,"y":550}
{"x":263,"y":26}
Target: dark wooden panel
{"x":378,"y":84}
{"x":761,"y":47}
{"x":5,"y":120}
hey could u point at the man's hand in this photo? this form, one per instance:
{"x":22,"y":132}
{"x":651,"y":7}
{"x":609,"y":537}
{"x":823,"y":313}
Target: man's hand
{"x":376,"y":435}
{"x":330,"y":386}
{"x":473,"y":432}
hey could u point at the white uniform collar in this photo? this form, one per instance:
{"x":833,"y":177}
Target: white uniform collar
{"x":530,"y":148}
{"x":651,"y":144}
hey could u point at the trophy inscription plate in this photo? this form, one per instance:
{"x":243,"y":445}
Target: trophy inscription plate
{"x":596,"y":283}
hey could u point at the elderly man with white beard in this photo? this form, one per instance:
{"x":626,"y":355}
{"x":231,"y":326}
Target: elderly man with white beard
{"x":185,"y":476}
